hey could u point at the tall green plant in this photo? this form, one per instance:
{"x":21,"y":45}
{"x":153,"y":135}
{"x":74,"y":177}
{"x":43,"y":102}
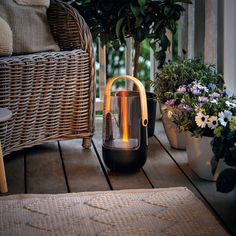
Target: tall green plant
{"x":113,"y":21}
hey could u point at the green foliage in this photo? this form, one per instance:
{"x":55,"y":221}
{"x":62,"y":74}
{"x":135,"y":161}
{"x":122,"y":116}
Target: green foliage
{"x":226,"y":180}
{"x":113,"y":21}
{"x":223,"y":147}
{"x":183,"y":72}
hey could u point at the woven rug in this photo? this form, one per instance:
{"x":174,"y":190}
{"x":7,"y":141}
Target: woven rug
{"x":156,"y":212}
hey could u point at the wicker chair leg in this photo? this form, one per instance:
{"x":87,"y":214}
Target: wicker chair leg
{"x":86,"y":142}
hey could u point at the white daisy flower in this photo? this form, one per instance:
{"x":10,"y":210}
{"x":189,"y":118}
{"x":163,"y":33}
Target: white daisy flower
{"x":201,"y":120}
{"x":212,"y":122}
{"x":230,"y":104}
{"x":214,"y":101}
{"x":224,"y":117}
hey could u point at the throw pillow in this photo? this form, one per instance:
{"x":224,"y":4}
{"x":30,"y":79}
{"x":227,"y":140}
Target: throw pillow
{"x":28,"y":21}
{"x":5,"y":39}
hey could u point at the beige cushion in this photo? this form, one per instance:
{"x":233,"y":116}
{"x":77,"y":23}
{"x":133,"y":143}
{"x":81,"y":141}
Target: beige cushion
{"x":5,"y":38}
{"x":28,"y":21}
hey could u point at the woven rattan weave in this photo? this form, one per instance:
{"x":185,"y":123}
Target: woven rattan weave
{"x":50,"y":94}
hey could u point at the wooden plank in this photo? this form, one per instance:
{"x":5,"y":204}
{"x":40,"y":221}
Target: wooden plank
{"x":14,"y":167}
{"x":44,"y":171}
{"x":83,"y":170}
{"x":183,"y":32}
{"x":118,"y":180}
{"x":223,"y":204}
{"x":162,"y":170}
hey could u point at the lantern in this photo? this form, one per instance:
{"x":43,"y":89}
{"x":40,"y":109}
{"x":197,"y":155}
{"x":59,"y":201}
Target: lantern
{"x":125,"y":121}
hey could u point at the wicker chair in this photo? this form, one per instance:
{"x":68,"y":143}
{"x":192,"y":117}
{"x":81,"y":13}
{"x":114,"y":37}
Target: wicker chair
{"x":51,"y":94}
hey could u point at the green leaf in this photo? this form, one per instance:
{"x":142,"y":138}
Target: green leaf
{"x":122,"y":38}
{"x":141,"y":3}
{"x":139,"y":21}
{"x":135,"y":9}
{"x":116,"y":44}
{"x":233,"y":152}
{"x":107,"y":5}
{"x":226,"y":180}
{"x":230,"y":156}
{"x":139,"y":34}
{"x":165,"y":43}
{"x":158,"y":24}
{"x":168,"y":11}
{"x":217,"y":147}
{"x":118,"y":26}
{"x":183,"y":1}
{"x":153,"y":45}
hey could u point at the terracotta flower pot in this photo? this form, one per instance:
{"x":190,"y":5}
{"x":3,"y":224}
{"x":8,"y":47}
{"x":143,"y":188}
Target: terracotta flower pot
{"x":175,"y":137}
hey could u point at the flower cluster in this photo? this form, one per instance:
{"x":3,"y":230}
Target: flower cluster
{"x":200,"y":109}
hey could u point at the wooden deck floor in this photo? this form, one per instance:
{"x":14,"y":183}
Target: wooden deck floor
{"x":65,"y":167}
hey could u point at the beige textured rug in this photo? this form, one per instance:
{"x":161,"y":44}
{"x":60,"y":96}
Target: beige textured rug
{"x":156,"y":212}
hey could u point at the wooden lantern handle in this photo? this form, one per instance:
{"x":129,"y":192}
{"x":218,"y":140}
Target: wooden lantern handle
{"x":142,"y":95}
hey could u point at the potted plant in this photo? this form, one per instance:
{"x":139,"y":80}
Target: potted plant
{"x":114,"y":21}
{"x":201,"y":110}
{"x":170,"y":78}
{"x":223,"y":147}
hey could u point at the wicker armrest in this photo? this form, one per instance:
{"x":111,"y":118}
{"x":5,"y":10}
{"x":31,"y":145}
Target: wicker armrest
{"x":71,"y":32}
{"x":68,"y":27}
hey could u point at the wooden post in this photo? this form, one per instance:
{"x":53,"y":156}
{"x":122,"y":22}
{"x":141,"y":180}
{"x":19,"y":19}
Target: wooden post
{"x":196,"y":28}
{"x":102,"y":77}
{"x":153,"y":70}
{"x":183,"y":33}
{"x":199,"y":27}
{"x":211,"y":39}
{"x":190,"y":42}
{"x":230,"y":44}
{"x":220,"y":36}
{"x":102,"y":71}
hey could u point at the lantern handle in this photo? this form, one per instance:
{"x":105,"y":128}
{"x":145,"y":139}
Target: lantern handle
{"x":142,"y":95}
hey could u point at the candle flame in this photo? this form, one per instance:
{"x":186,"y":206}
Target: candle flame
{"x":124,"y":117}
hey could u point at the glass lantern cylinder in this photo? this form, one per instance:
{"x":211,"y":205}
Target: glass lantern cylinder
{"x":125,"y":127}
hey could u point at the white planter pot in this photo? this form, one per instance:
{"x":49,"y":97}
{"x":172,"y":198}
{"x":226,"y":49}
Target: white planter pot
{"x":199,"y":152}
{"x":175,"y":137}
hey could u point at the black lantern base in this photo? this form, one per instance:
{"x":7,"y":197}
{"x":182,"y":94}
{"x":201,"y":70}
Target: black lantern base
{"x":124,"y":160}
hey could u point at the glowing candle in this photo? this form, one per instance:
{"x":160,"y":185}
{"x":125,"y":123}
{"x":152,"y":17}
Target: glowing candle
{"x":124,"y":117}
